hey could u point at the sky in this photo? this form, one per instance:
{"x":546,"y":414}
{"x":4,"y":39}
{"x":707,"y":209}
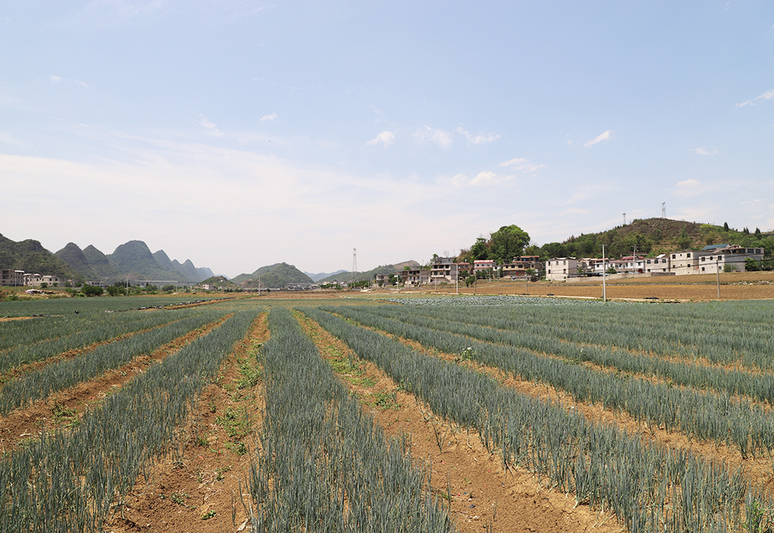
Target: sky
{"x":242,"y":133}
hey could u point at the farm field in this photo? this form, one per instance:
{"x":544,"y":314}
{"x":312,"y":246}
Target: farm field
{"x":695,"y":288}
{"x":393,"y":412}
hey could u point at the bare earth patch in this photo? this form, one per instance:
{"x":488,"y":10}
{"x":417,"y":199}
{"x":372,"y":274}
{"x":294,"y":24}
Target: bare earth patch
{"x":202,"y":486}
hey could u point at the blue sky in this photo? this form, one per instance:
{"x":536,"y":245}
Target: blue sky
{"x":241,"y":133}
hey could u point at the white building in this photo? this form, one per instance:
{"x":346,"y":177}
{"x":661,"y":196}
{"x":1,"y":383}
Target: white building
{"x":658,"y":264}
{"x":725,"y":258}
{"x":561,"y":268}
{"x":445,"y":270}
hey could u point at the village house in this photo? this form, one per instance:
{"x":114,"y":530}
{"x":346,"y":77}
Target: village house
{"x":11,"y":277}
{"x":445,"y":270}
{"x":36,"y":280}
{"x":561,"y":268}
{"x":709,"y":260}
{"x":520,"y":265}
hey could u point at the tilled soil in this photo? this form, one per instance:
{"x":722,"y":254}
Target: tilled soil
{"x":483,"y":494}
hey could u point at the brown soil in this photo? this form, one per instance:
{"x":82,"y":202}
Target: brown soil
{"x":699,"y":287}
{"x":203,"y":488}
{"x":483,"y":493}
{"x":66,"y":407}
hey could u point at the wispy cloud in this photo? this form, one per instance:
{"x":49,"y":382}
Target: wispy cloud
{"x":606,"y":136}
{"x":384,"y":137}
{"x":768,"y":95}
{"x":703,"y":151}
{"x":442,"y":138}
{"x":59,"y":79}
{"x":575,"y":211}
{"x":522,"y":164}
{"x":482,"y":179}
{"x":481,"y":138}
{"x":212,"y":128}
{"x":7,"y":139}
{"x":689,"y":187}
{"x":269,"y":117}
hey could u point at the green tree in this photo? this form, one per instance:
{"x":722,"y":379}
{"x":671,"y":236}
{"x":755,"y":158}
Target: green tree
{"x":507,"y":243}
{"x":480,"y":250}
{"x":92,"y":290}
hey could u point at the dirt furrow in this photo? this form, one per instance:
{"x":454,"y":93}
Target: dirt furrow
{"x":472,"y":481}
{"x":66,"y":408}
{"x":202,"y":487}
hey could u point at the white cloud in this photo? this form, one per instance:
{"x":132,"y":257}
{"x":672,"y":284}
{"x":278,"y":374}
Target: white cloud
{"x":482,"y":179}
{"x":213,"y":129}
{"x":689,"y":187}
{"x":575,"y":211}
{"x":485,"y":178}
{"x":522,"y":164}
{"x":7,"y":139}
{"x":704,"y":151}
{"x":768,"y":95}
{"x":606,"y":136}
{"x":442,"y":138}
{"x":59,"y":79}
{"x":481,"y":138}
{"x":384,"y":137}
{"x":269,"y":117}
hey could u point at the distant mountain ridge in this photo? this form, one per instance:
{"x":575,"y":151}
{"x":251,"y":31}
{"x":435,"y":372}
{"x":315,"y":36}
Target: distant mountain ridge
{"x":322,"y":275}
{"x":276,"y":276}
{"x":132,"y":260}
{"x":344,"y":276}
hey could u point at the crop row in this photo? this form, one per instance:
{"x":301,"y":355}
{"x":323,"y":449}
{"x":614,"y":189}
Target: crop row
{"x":54,"y":377}
{"x":87,"y":306}
{"x":39,"y":339}
{"x":649,"y":487}
{"x":727,"y":333}
{"x":756,"y":385}
{"x":324,"y":464}
{"x":67,"y":481}
{"x":700,"y":414}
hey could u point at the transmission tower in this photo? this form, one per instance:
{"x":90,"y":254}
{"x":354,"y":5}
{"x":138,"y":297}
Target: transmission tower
{"x":354,"y":265}
{"x":663,"y":209}
{"x":624,"y":219}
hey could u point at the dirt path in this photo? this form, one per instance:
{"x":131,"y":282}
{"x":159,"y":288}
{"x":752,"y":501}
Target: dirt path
{"x":202,"y":487}
{"x":482,"y":493}
{"x":66,"y":407}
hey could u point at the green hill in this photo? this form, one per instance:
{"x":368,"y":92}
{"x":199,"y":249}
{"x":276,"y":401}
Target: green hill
{"x":30,"y":256}
{"x":653,"y":236}
{"x":276,"y":276}
{"x":346,"y":276}
{"x":102,"y":268}
{"x":73,"y":256}
{"x":221,"y":282}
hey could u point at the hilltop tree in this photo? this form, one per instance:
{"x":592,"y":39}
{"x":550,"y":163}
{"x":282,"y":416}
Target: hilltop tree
{"x":507,"y":243}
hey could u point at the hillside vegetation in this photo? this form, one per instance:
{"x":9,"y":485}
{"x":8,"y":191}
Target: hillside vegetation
{"x":648,"y":237}
{"x":654,"y":236}
{"x":30,"y":256}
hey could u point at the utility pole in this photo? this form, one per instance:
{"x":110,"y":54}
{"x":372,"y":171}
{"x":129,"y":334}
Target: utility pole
{"x":354,"y":267}
{"x":624,"y":219}
{"x":634,"y":260}
{"x":604,"y":276}
{"x":717,"y":275}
